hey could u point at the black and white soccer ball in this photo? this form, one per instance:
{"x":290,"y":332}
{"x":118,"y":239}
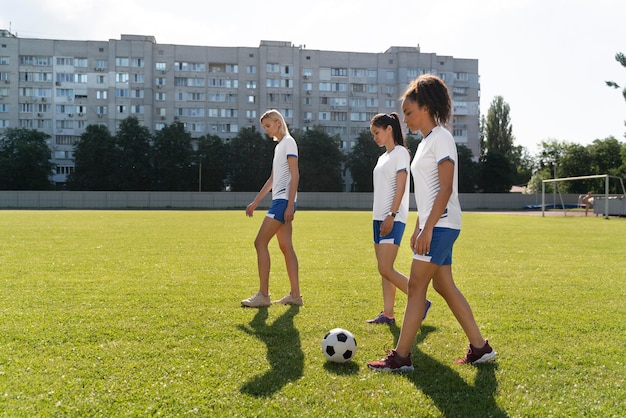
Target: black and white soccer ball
{"x":339,"y":345}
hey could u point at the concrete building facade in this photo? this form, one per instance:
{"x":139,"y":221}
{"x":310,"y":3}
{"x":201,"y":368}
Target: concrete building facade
{"x":62,"y":86}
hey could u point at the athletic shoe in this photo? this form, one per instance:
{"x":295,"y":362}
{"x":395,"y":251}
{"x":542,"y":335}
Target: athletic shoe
{"x":257,"y":301}
{"x":477,"y":355}
{"x":290,"y":300}
{"x":428,"y":304}
{"x":392,"y":363}
{"x":382,"y":319}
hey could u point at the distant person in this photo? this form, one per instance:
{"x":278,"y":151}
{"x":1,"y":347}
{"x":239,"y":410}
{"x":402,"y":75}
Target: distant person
{"x":283,"y":182}
{"x":391,"y":208}
{"x":587,"y":200}
{"x":427,"y":108}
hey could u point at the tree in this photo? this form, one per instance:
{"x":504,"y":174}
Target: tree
{"x":497,"y":131}
{"x":575,"y":161}
{"x":621,"y":58}
{"x":212,"y":154}
{"x":25,"y":160}
{"x":361,"y":161}
{"x":95,"y":157}
{"x":133,"y":170}
{"x":250,"y":160}
{"x":320,"y":161}
{"x":496,"y":173}
{"x":467,"y":169}
{"x":173,"y":160}
{"x":605,"y":156}
{"x":497,"y":160}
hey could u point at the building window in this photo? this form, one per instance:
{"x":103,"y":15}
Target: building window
{"x":137,"y":62}
{"x":121,"y":77}
{"x":65,"y":61}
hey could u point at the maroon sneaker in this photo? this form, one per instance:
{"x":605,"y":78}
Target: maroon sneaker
{"x":392,"y":363}
{"x":477,"y":355}
{"x":382,"y":319}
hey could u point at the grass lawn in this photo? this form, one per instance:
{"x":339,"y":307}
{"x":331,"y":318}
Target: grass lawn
{"x":137,"y":313}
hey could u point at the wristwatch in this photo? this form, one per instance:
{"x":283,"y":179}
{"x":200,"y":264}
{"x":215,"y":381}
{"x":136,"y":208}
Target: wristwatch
{"x":392,"y":214}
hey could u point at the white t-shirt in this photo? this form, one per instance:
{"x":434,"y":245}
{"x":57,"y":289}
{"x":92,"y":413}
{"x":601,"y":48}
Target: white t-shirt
{"x":385,"y":172}
{"x":281,"y":176}
{"x":435,"y":148}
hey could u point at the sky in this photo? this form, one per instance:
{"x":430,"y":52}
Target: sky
{"x":548,"y":59}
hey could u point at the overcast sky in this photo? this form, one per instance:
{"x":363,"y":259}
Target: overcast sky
{"x":548,"y":59}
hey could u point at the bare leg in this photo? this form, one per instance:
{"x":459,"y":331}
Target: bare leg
{"x":421,"y":273}
{"x":268,"y":229}
{"x":285,"y":243}
{"x":391,"y":278}
{"x":444,"y":284}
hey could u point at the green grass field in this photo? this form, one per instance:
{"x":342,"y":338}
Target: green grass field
{"x":137,"y":313}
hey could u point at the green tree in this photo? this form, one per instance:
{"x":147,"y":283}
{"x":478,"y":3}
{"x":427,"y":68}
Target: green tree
{"x":576,"y":161}
{"x":497,"y":159}
{"x":321,"y":161}
{"x":250,"y":160}
{"x":496,"y":173}
{"x":621,"y":58}
{"x":25,"y":160}
{"x":467,"y":169}
{"x":497,"y":131}
{"x":605,"y":156}
{"x":95,"y":157}
{"x":133,"y":170}
{"x":173,"y":160}
{"x":212,"y":154}
{"x":361,"y":161}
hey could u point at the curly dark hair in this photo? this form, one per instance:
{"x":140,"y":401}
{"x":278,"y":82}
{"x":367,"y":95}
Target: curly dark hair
{"x":430,"y":91}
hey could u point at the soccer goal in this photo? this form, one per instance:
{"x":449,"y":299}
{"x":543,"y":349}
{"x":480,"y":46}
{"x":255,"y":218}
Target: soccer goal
{"x":597,"y":199}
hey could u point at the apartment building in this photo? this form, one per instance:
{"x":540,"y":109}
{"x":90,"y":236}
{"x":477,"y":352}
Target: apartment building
{"x":60,"y":87}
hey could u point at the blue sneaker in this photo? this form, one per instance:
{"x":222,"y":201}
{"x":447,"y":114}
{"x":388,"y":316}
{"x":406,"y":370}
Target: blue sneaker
{"x":382,"y":319}
{"x":428,"y":304}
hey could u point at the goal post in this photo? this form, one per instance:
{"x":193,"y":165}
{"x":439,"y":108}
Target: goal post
{"x":606,"y":178}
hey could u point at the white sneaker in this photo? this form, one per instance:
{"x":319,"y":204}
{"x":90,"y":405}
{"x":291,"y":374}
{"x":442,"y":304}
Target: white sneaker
{"x":290,"y":300}
{"x":257,"y":300}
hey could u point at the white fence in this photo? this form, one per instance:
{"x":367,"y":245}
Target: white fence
{"x":238,"y":200}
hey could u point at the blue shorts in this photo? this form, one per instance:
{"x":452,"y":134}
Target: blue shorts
{"x":394,"y":237}
{"x":440,"y":247}
{"x":277,"y":210}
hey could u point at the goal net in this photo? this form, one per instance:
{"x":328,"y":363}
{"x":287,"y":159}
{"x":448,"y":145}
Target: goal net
{"x":602,"y":203}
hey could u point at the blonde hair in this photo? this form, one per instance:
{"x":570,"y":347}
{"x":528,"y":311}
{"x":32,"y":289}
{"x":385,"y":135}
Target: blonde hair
{"x":274,"y":114}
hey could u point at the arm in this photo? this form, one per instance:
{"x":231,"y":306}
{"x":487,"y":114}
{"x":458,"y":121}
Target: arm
{"x":387,"y":224}
{"x":262,"y":193}
{"x":293,"y":187}
{"x":421,"y":245}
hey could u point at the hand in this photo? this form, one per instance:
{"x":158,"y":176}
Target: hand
{"x":250,"y":209}
{"x":420,"y":244}
{"x":289,"y":213}
{"x":386,"y":226}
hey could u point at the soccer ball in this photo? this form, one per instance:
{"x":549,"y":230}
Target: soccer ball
{"x":339,"y":345}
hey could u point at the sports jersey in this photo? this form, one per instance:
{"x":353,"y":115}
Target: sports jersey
{"x":387,"y":167}
{"x":281,"y":176}
{"x":435,"y":148}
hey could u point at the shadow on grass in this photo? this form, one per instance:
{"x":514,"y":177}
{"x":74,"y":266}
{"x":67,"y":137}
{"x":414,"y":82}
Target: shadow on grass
{"x":342,"y":369}
{"x":452,"y":395}
{"x":284,"y":352}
